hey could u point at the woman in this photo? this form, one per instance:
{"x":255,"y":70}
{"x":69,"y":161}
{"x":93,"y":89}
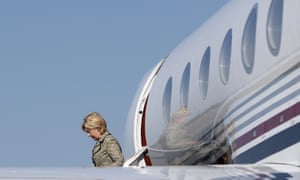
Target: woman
{"x":107,"y":150}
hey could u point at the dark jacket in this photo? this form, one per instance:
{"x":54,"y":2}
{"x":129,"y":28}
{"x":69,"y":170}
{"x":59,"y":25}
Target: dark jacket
{"x":107,"y":152}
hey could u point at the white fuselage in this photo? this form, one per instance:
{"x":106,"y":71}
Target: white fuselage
{"x":239,"y":77}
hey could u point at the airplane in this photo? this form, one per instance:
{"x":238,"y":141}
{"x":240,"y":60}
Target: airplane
{"x":237,"y":76}
{"x":224,"y":104}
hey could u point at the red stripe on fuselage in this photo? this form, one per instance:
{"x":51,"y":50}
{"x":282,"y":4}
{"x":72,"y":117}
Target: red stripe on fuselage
{"x":266,"y":126}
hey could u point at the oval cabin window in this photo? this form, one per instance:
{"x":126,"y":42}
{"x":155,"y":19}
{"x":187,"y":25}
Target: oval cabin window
{"x":225,"y":57}
{"x":184,"y":86}
{"x":274,"y":26}
{"x":248,"y":40}
{"x":167,"y":99}
{"x":204,"y":73}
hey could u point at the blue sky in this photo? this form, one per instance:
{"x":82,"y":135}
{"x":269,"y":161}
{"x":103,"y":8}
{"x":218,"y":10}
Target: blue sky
{"x":61,"y":59}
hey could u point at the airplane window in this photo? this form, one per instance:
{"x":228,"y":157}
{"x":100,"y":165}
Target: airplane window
{"x":225,"y":57}
{"x":274,"y":26}
{"x":204,"y":73}
{"x":167,"y":99}
{"x":248,"y":41}
{"x":184,"y":86}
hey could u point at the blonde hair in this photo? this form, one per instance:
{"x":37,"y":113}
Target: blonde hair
{"x":94,"y":120}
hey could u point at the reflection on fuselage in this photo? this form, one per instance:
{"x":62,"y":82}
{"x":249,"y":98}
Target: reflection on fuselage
{"x":192,"y":140}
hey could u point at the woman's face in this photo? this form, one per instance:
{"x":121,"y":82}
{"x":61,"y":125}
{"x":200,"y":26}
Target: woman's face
{"x":94,"y":133}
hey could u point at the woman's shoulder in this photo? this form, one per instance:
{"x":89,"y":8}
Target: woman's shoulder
{"x":110,"y":137}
